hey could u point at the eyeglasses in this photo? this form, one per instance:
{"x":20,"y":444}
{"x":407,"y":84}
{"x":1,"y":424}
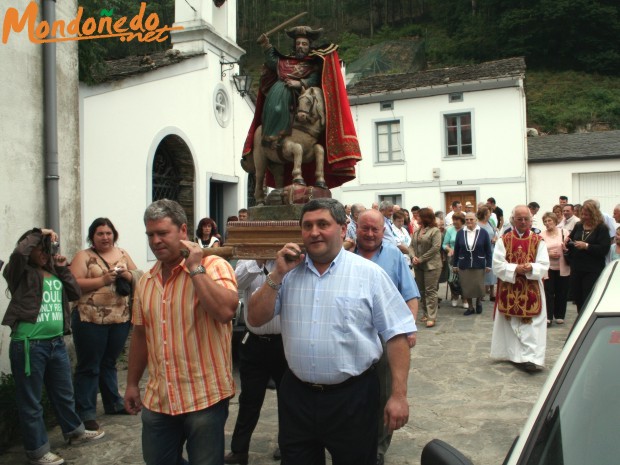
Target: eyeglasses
{"x":469,"y":219}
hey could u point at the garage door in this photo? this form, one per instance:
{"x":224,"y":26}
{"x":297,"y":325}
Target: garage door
{"x":605,"y":187}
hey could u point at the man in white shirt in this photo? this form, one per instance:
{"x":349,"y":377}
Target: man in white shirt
{"x":570,"y":220}
{"x":534,"y":207}
{"x":261,"y":357}
{"x":456,"y":208}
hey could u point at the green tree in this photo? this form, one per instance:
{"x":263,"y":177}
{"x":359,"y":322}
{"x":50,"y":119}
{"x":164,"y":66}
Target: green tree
{"x":93,"y":53}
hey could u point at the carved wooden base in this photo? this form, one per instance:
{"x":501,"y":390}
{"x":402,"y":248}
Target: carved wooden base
{"x":260,"y":239}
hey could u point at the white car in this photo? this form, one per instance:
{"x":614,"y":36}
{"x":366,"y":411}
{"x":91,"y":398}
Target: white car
{"x":576,"y":419}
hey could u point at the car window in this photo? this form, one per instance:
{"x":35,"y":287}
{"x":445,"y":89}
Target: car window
{"x":582,"y":424}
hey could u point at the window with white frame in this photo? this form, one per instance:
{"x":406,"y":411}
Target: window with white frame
{"x":458,"y":134}
{"x":389,"y":148}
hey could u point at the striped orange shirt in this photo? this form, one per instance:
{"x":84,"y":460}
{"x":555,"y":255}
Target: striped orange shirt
{"x":189,"y":353}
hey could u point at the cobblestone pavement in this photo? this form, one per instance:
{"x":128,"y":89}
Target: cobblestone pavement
{"x":456,"y":392}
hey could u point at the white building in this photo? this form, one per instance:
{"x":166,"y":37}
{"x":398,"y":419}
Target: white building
{"x":581,"y":166}
{"x":432,"y":137}
{"x":169,"y":125}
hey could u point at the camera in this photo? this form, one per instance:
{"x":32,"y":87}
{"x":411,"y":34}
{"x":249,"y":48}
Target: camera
{"x":51,"y":247}
{"x":570,"y":245}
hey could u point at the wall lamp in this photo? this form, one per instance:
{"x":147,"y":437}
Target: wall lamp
{"x":242,"y":81}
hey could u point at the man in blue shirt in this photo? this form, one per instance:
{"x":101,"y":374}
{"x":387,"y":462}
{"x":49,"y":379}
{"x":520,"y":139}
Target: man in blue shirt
{"x":371,"y":246}
{"x":333,"y":305}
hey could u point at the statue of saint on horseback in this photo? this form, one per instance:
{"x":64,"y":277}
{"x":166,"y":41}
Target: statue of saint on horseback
{"x":302,"y":130}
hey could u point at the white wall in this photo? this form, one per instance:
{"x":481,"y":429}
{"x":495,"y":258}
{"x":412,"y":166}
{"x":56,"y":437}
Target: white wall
{"x":124,"y":122}
{"x":550,"y":180}
{"x":497,"y":169}
{"x":22,"y":189}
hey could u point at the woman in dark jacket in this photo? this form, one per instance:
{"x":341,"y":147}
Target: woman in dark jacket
{"x":588,"y":244}
{"x":472,"y":258}
{"x":41,"y":287}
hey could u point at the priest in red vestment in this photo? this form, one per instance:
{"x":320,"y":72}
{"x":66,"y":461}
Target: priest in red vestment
{"x":520,"y":262}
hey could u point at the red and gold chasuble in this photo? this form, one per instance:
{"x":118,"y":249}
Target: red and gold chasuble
{"x":523,"y":298}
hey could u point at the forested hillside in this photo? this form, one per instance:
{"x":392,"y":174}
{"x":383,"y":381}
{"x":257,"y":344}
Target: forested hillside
{"x":571,"y":47}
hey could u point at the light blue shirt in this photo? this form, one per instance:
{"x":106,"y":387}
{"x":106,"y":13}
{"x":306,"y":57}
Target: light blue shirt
{"x":330,"y":322}
{"x":393,"y":262}
{"x":352,"y":230}
{"x":388,"y":234}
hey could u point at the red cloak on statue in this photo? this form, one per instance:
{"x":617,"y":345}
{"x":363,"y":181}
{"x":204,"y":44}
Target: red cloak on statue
{"x":342,"y":149}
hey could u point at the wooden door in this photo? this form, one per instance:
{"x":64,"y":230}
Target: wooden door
{"x":461,"y":196}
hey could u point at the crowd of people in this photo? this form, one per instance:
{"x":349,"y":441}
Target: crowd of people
{"x":325,"y":323}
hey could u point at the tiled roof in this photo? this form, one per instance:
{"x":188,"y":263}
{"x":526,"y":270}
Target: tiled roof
{"x":491,"y":70}
{"x":573,"y":147}
{"x":139,"y":64}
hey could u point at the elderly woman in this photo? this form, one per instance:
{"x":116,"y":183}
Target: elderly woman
{"x":556,"y":284}
{"x":472,"y":258}
{"x":426,"y":250}
{"x":101,"y":321}
{"x":458,"y":221}
{"x":207,"y":235}
{"x":588,"y":245}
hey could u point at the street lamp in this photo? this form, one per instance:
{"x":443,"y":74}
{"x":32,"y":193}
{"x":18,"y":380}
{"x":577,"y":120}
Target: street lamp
{"x":242,"y":83}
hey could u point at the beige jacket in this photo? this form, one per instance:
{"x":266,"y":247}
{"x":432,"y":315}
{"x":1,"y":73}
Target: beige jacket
{"x":427,"y":247}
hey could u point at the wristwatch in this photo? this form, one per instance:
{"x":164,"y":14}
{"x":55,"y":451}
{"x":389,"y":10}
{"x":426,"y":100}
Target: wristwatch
{"x":199,"y":270}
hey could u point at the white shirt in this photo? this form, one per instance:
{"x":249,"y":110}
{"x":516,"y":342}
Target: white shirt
{"x":250,"y":277}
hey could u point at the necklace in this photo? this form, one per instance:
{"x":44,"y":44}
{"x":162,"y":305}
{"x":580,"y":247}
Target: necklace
{"x":585,"y":234}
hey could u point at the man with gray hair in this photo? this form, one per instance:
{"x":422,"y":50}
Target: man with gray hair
{"x":182,"y":311}
{"x":351,"y":236}
{"x":387,"y":209}
{"x":370,"y":245}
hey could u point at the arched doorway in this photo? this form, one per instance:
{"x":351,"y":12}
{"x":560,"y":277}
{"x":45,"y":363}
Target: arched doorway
{"x":174,"y":175}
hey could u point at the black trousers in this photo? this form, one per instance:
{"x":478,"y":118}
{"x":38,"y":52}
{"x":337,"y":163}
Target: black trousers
{"x":342,"y":420}
{"x":581,"y":283}
{"x":556,"y":294}
{"x":260,"y":358}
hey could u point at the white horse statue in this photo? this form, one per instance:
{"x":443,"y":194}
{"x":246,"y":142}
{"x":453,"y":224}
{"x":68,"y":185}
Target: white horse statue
{"x":300,"y":147}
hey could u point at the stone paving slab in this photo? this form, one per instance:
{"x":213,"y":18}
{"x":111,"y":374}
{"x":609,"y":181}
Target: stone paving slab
{"x":456,"y":392}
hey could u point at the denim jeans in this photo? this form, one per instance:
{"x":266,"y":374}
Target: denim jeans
{"x":49,"y":366}
{"x":97,"y":348}
{"x":163,"y":436}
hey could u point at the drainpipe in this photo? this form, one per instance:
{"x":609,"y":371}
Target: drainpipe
{"x":50,"y":125}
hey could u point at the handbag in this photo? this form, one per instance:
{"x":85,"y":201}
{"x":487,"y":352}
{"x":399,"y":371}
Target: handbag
{"x":567,"y":253}
{"x":121,"y":286}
